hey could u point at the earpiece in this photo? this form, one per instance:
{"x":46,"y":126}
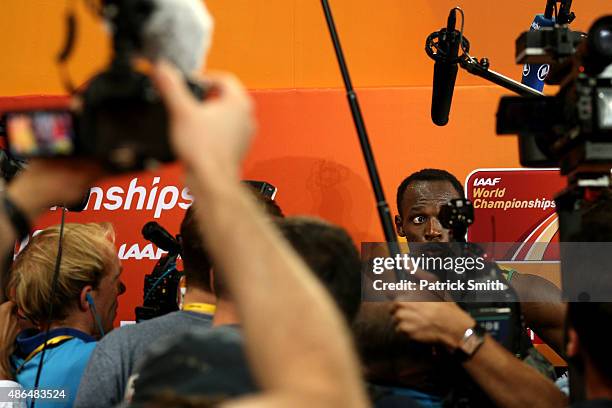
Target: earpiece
{"x":92,"y":307}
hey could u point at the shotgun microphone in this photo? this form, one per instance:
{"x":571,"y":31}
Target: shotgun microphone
{"x":445,"y":70}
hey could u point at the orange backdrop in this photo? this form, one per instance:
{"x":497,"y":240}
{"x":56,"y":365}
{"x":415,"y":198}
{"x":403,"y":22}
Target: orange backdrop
{"x":283,"y":44}
{"x":306,"y":144}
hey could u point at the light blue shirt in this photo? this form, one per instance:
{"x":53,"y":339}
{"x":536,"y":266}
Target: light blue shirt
{"x":62,"y":368}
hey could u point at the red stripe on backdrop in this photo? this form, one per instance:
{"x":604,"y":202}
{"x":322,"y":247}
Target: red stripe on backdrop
{"x":307,"y":147}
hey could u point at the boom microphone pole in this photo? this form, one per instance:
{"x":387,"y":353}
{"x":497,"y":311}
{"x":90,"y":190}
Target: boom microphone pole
{"x":381,"y":204}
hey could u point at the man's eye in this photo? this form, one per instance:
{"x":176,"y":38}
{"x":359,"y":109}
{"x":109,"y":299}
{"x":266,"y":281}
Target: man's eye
{"x":419,"y":219}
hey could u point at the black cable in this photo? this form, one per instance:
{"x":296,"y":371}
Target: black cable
{"x":66,"y":51}
{"x":54,"y":284}
{"x":548,"y":12}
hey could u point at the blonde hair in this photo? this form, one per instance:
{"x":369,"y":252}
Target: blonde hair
{"x":87,"y":252}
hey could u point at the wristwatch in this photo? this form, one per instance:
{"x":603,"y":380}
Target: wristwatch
{"x":470,"y":343}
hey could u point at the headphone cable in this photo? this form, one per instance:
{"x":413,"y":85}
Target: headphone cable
{"x":54,"y":284}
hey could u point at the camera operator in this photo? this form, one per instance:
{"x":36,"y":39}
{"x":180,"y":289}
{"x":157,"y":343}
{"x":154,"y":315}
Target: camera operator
{"x":329,"y":252}
{"x":316,"y":365}
{"x":588,"y":334}
{"x":306,"y":357}
{"x":113,"y":359}
{"x":331,"y":255}
{"x":588,"y":344}
{"x":44,"y":184}
{"x":78,"y":309}
{"x":429,"y":379}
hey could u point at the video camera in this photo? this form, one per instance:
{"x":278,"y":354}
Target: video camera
{"x":571,"y":130}
{"x":498,"y":312}
{"x":574,"y":127}
{"x":162,"y":291}
{"x":161,"y":287}
{"x":118,"y":119}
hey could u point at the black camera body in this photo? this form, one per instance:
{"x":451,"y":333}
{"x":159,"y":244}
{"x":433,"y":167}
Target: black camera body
{"x":162,"y":285}
{"x":124,"y":123}
{"x":574,"y":127}
{"x":572,"y":130}
{"x":118,"y":119}
{"x":498,"y":312}
{"x":161,"y":290}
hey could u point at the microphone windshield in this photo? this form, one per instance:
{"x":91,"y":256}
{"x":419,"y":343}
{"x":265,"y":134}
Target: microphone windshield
{"x":179,"y":31}
{"x":445,"y":71}
{"x":444,"y":85}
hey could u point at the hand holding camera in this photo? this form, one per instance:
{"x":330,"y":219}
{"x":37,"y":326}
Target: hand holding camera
{"x":46,"y":183}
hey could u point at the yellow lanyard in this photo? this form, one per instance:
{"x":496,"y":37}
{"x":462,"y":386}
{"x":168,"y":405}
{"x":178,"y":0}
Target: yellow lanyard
{"x":204,"y":308}
{"x":55,"y":341}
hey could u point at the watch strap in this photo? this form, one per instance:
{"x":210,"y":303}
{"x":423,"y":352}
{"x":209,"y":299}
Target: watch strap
{"x":18,"y":219}
{"x":472,"y":340}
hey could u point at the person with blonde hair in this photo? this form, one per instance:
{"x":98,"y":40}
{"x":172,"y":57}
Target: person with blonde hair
{"x":77,"y":309}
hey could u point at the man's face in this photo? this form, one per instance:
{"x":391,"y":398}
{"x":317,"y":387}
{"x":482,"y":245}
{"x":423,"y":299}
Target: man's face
{"x":105,"y":296}
{"x":421,"y":204}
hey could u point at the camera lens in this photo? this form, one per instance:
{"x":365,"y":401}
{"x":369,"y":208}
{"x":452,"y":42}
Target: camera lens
{"x":604,"y":41}
{"x":600,"y":45}
{"x":600,"y":38}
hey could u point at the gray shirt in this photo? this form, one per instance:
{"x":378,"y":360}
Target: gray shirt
{"x":114,"y":358}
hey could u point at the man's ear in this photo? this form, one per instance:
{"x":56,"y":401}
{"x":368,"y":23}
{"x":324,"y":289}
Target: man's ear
{"x":83,"y":303}
{"x":572,"y":347}
{"x":399,"y":227}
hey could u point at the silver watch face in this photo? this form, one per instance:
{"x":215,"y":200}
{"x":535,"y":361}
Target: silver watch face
{"x":471,"y":341}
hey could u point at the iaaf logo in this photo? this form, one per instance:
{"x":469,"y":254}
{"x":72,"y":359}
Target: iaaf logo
{"x":487,"y":181}
{"x":139,"y":197}
{"x":135,"y":252}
